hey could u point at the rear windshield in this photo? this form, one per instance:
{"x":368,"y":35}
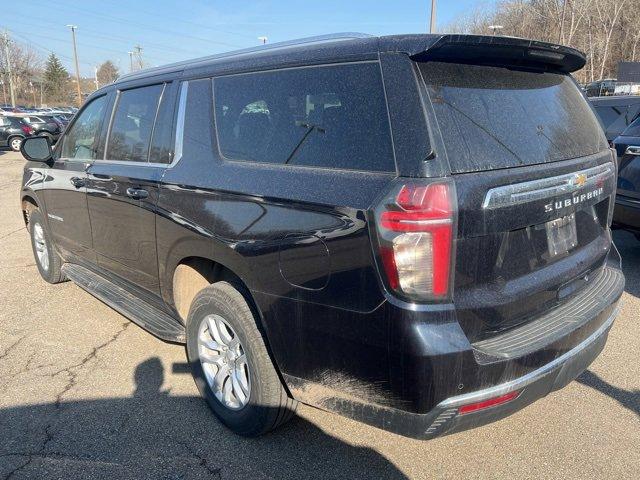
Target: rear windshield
{"x":492,"y":117}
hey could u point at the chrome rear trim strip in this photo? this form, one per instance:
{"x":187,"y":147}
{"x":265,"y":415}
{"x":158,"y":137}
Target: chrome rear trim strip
{"x":543,"y":188}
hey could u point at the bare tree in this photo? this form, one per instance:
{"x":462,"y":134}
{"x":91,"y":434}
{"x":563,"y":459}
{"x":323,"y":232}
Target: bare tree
{"x":606,"y":30}
{"x":25,"y":65}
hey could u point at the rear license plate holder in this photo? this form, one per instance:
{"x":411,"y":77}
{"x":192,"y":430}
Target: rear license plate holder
{"x":562,"y":235}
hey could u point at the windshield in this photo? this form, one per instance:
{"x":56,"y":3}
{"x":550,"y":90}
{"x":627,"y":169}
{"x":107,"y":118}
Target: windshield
{"x":492,"y":117}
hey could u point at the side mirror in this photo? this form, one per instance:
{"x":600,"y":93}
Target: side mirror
{"x":632,"y":150}
{"x":36,"y":149}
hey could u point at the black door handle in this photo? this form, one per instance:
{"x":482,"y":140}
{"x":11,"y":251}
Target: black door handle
{"x":137,"y":193}
{"x":77,"y":182}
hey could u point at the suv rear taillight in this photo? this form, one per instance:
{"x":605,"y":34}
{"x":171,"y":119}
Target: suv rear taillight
{"x":27,"y":129}
{"x":415,"y":225}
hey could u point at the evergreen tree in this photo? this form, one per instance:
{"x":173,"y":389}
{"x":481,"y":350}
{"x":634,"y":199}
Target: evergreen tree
{"x":56,"y":81}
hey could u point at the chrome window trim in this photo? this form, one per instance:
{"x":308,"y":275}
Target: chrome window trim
{"x":543,"y":188}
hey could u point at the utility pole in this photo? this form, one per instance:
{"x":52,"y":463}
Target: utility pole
{"x":33,"y":92}
{"x":138,"y":53}
{"x":130,"y":61}
{"x":4,"y":91}
{"x":263,"y":39}
{"x":95,"y":71}
{"x":432,"y":25}
{"x":75,"y":57}
{"x":8,"y":60}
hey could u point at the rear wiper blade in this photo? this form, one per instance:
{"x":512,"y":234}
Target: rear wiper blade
{"x":310,"y":128}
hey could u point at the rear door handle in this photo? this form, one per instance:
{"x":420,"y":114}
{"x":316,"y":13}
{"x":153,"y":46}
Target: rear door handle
{"x":633,"y":150}
{"x":77,"y":182}
{"x":137,"y":193}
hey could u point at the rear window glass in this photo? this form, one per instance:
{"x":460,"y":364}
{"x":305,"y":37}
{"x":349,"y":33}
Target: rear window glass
{"x":328,"y":117}
{"x":493,"y":117}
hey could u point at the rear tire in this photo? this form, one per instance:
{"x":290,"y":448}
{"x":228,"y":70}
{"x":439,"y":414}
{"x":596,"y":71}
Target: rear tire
{"x":15,"y":143}
{"x":47,"y":259}
{"x":251,"y":400}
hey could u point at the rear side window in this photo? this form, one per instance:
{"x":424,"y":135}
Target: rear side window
{"x":328,"y":117}
{"x":493,"y":117}
{"x":132,"y":126}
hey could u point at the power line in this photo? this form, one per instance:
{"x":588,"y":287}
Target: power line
{"x":47,"y":50}
{"x":38,"y":46}
{"x":111,"y":18}
{"x":125,"y":40}
{"x":195,"y":24}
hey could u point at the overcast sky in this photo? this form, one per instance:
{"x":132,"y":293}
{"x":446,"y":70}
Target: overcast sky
{"x":171,"y":31}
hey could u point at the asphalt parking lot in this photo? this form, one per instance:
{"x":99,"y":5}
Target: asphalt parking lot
{"x":84,"y":393}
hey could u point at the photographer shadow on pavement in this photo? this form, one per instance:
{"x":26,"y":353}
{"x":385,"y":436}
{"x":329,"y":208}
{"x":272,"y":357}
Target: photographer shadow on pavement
{"x":156,"y":435}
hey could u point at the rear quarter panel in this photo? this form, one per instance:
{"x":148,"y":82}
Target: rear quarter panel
{"x":297,"y":237}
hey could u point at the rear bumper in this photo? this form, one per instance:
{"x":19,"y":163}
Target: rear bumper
{"x":446,"y":417}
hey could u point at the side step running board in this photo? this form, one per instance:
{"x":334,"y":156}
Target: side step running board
{"x":155,"y":321}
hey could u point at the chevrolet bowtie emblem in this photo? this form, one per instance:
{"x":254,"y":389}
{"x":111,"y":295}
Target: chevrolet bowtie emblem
{"x":579,"y":180}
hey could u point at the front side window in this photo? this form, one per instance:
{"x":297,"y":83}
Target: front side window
{"x":81,"y":141}
{"x":132,"y":125}
{"x":327,"y":117}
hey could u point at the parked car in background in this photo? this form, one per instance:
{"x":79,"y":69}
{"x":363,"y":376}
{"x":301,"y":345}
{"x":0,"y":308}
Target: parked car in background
{"x":616,"y":113}
{"x":412,"y":231}
{"x":45,"y":126}
{"x":627,"y":209}
{"x":59,"y":119}
{"x":9,"y":110}
{"x":601,"y":88}
{"x":13,"y":130}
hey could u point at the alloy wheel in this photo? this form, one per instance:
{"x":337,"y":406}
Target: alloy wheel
{"x":224,"y":362}
{"x":42,"y":251}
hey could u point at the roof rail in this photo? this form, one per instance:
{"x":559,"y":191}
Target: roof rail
{"x":319,"y":39}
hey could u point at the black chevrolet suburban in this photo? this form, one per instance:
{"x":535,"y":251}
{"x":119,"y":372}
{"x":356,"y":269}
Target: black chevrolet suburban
{"x":411,"y":231}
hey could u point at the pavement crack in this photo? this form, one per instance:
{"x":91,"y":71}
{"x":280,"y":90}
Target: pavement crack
{"x":12,"y":347}
{"x":72,"y":371}
{"x":11,"y":233}
{"x":216,"y":473}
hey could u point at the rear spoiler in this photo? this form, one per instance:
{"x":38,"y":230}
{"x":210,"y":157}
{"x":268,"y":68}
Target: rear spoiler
{"x":502,"y":51}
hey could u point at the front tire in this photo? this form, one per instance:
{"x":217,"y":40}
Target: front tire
{"x":231,"y":365}
{"x":15,"y":143}
{"x":47,"y":259}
